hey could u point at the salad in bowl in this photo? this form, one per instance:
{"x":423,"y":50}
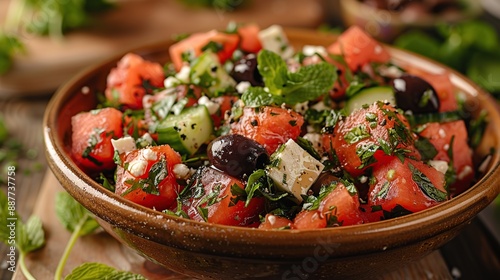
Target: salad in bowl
{"x":242,"y":129}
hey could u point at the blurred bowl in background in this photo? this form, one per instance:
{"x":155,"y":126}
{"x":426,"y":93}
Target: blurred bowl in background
{"x":387,"y":23}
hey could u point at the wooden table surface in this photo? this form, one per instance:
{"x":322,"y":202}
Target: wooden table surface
{"x":474,"y":254}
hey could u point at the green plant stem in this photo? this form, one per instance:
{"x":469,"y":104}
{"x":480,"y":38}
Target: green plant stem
{"x":67,"y":250}
{"x":24,"y":269}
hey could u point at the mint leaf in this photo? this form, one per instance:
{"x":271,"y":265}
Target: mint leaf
{"x":30,"y":235}
{"x":273,"y":70}
{"x":425,"y":185}
{"x":73,"y":215}
{"x":90,"y":271}
{"x":257,"y":96}
{"x":309,"y":83}
{"x":4,"y":214}
{"x":283,"y":86}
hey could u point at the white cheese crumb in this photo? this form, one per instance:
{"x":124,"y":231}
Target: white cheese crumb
{"x":274,"y":39}
{"x":170,"y":82}
{"x":124,"y":144}
{"x":446,"y":147}
{"x":138,"y":167}
{"x":442,"y":133}
{"x":465,"y":172}
{"x":439,"y":165}
{"x":147,"y":138}
{"x":310,"y":50}
{"x":301,"y":108}
{"x":212,"y":107}
{"x":183,"y":74}
{"x":241,"y":87}
{"x":148,"y":154}
{"x":241,"y":68}
{"x":271,"y":219}
{"x":181,"y":171}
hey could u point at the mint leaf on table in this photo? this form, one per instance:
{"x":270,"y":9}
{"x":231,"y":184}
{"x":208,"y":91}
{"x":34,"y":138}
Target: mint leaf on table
{"x":73,"y":216}
{"x":91,"y":271}
{"x":30,"y":236}
{"x":282,"y":86}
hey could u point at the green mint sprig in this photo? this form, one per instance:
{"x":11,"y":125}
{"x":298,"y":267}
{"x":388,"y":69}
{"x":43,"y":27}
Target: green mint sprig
{"x":283,"y":86}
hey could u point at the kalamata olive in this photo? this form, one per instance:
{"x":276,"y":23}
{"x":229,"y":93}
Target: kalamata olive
{"x":236,"y":155}
{"x":245,"y":69}
{"x":414,"y":94}
{"x":324,"y":180}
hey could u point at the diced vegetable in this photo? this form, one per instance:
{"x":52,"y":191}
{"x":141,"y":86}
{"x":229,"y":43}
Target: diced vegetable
{"x":358,"y":48}
{"x":147,"y":177}
{"x":186,"y":132}
{"x":91,"y":138}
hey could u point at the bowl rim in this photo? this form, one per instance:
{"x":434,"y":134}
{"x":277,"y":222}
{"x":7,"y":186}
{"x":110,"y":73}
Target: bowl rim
{"x":125,"y":214}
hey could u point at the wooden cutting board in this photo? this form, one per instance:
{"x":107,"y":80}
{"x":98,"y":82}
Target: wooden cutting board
{"x":102,"y":248}
{"x":48,"y":63}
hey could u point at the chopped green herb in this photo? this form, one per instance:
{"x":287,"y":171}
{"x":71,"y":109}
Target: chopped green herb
{"x":425,"y":185}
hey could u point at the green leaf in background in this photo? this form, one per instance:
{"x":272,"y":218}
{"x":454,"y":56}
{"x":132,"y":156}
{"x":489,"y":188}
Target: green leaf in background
{"x":484,"y":69}
{"x":3,"y":130}
{"x":4,"y":214}
{"x":73,"y":215}
{"x":9,"y":45}
{"x":30,"y":236}
{"x":419,"y":42}
{"x":470,"y":47}
{"x":91,"y":271}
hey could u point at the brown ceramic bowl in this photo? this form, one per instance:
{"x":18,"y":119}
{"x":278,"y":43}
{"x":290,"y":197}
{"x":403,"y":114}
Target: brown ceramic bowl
{"x":387,"y":25}
{"x":222,"y":252}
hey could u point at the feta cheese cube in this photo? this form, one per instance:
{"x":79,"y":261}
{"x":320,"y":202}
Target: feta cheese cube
{"x":274,"y":39}
{"x":124,"y":144}
{"x":293,"y":169}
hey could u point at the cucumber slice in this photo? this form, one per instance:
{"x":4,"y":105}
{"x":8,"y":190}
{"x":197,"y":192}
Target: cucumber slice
{"x":187,"y":131}
{"x":369,"y":96}
{"x":207,"y":72}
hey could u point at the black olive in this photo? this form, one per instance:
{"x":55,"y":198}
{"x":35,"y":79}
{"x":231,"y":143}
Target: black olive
{"x":324,"y":180}
{"x":245,"y":69}
{"x":237,"y":155}
{"x":414,"y":94}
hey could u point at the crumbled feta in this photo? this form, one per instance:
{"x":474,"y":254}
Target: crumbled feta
{"x":301,"y":108}
{"x":294,"y":170}
{"x":181,"y":171}
{"x":439,"y":165}
{"x":146,"y":138}
{"x":274,"y":39}
{"x":309,"y":50}
{"x":442,"y":133}
{"x":148,"y":154}
{"x":183,"y":74}
{"x":241,"y":68}
{"x":212,"y":107}
{"x":170,"y":82}
{"x":137,"y":167}
{"x":124,"y":144}
{"x":241,"y":87}
{"x":465,"y":172}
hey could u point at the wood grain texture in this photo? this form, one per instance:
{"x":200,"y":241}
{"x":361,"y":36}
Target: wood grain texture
{"x":48,"y":63}
{"x":23,"y":119}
